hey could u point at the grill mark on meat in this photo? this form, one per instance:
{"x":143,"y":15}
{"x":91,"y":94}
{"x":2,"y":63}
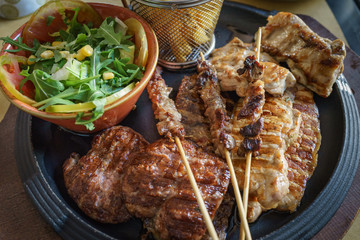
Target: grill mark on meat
{"x":316,"y":62}
{"x":220,"y":126}
{"x":302,"y":154}
{"x":156,"y":189}
{"x":253,"y":104}
{"x":251,"y":144}
{"x":192,"y":109}
{"x":164,"y":108}
{"x":94,"y":180}
{"x":268,"y":178}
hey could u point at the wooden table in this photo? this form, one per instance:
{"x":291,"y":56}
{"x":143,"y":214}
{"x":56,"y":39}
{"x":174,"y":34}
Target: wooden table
{"x":19,"y":219}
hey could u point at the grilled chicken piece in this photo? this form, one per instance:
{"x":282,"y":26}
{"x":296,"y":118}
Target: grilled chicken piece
{"x":316,"y":62}
{"x":94,"y":180}
{"x":164,"y":108}
{"x":220,"y":126}
{"x":156,"y":188}
{"x":302,"y":153}
{"x":228,"y":59}
{"x":268,"y":179}
{"x":192,"y":109}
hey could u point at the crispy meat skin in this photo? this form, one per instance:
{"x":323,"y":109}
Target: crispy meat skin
{"x":192,"y":109}
{"x":302,"y":153}
{"x":164,"y":108}
{"x":228,"y":59}
{"x":94,"y":180}
{"x":220,"y":126}
{"x":316,"y":62}
{"x":156,"y":188}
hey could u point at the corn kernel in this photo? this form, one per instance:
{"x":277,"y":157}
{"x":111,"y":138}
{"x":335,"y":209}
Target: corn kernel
{"x":86,"y":50}
{"x":56,"y":43}
{"x":47,"y":54}
{"x":31,"y":60}
{"x":108,"y":75}
{"x":80,"y":56}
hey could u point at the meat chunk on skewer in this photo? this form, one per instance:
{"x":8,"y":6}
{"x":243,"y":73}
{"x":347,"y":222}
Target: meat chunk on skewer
{"x":94,"y":180}
{"x":228,"y":59}
{"x":316,"y":62}
{"x":220,"y":126}
{"x":192,"y":109}
{"x":302,"y":153}
{"x":164,"y":108}
{"x":156,"y":188}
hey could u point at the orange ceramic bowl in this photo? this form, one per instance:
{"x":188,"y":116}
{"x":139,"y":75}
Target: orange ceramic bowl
{"x":116,"y":111}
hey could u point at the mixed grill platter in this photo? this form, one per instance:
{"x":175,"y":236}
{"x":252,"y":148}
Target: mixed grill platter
{"x":42,"y":148}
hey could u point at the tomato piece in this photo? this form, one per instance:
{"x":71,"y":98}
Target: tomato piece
{"x":10,"y":78}
{"x":37,"y":27}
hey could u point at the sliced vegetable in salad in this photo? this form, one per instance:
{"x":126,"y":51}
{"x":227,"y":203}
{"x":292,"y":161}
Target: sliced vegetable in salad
{"x":83,"y":69}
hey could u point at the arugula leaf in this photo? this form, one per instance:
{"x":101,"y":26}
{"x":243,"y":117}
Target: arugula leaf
{"x":45,"y":87}
{"x":49,"y":20}
{"x":106,"y":31}
{"x":18,"y":44}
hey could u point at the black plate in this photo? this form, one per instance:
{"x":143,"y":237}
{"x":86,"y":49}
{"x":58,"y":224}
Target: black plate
{"x":42,"y":147}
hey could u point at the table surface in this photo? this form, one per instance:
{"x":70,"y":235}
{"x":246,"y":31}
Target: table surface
{"x":19,"y":219}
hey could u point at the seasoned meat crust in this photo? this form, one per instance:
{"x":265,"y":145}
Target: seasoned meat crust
{"x":156,"y":188}
{"x":192,"y":109}
{"x":94,"y":180}
{"x":316,"y":62}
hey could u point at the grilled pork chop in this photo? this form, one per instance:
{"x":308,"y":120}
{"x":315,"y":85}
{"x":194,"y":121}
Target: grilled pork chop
{"x":316,"y":62}
{"x":156,"y":188}
{"x":268,"y":179}
{"x":94,"y":180}
{"x":302,"y":155}
{"x":229,"y":58}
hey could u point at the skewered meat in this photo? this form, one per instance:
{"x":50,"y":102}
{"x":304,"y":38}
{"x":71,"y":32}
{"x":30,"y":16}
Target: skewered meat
{"x":220,"y":126}
{"x":164,"y":108}
{"x":301,"y":155}
{"x":268,"y":179}
{"x":157,"y":189}
{"x":316,"y":62}
{"x":94,"y":180}
{"x":228,"y":59}
{"x":252,"y":105}
{"x":192,"y":109}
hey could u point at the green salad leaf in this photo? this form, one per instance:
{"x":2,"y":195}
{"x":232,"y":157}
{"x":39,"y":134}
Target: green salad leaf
{"x":73,"y":70}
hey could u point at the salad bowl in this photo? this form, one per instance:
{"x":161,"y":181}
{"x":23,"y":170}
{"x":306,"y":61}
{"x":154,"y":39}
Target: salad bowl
{"x":119,"y":106}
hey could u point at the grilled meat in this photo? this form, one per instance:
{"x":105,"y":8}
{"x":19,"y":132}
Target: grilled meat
{"x":268,"y":179}
{"x":156,"y":188}
{"x":192,"y":109}
{"x":220,"y":126}
{"x":228,"y":59}
{"x":316,"y":62}
{"x":164,"y":108}
{"x":94,"y":180}
{"x":302,"y":155}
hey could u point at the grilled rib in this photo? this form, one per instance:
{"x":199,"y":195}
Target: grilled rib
{"x":316,"y":62}
{"x":228,"y":59}
{"x":164,"y":108}
{"x":220,"y":126}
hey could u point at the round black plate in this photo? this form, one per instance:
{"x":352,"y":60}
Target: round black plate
{"x":42,"y":147}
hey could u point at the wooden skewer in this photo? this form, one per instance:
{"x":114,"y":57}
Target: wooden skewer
{"x":200,"y":200}
{"x":249,"y":154}
{"x":235,"y":186}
